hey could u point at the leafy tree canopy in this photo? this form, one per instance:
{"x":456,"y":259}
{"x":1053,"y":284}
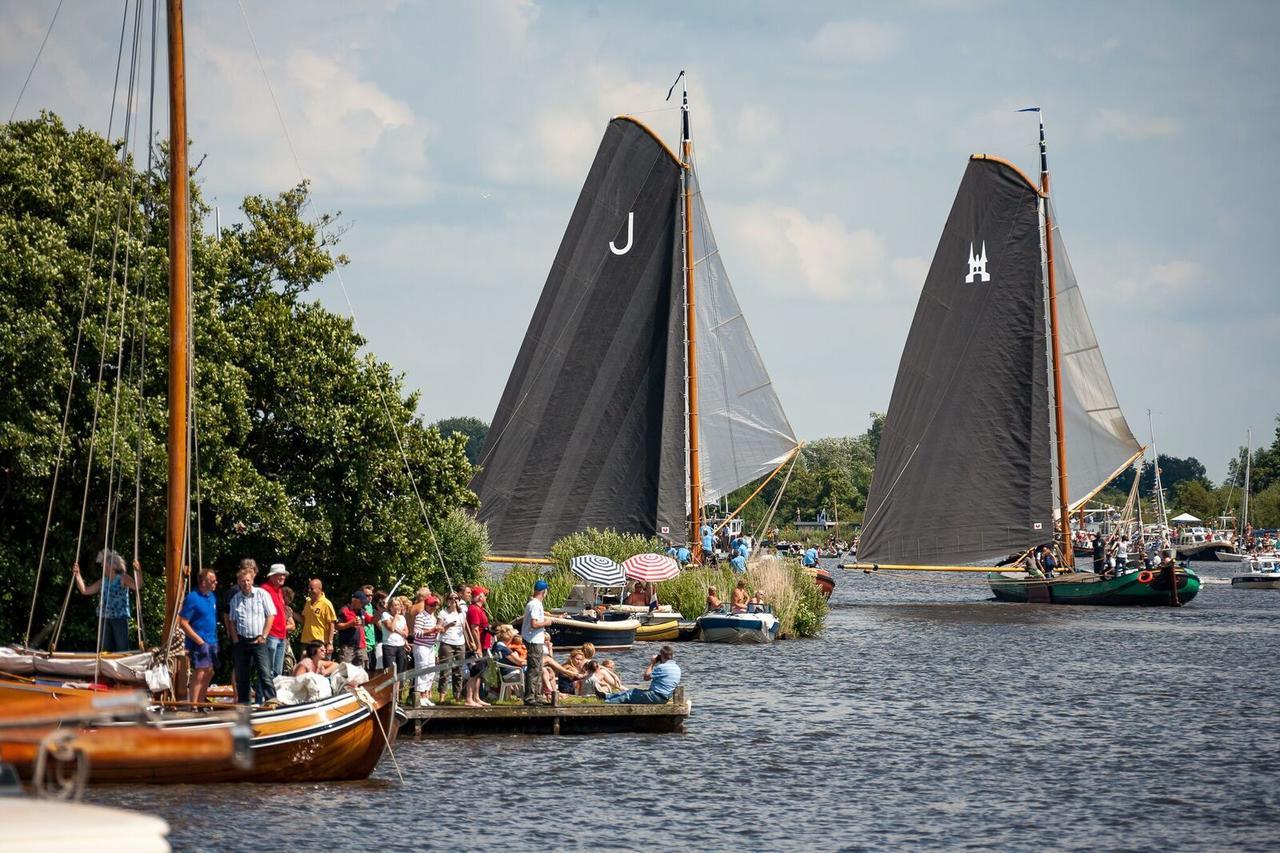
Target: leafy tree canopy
{"x":474,"y":429}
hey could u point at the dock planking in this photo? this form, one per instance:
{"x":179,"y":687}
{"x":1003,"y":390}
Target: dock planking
{"x":561,"y":719}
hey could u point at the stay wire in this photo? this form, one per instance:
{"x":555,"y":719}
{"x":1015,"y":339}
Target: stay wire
{"x":35,"y":62}
{"x":75,"y":363}
{"x":404,"y":456}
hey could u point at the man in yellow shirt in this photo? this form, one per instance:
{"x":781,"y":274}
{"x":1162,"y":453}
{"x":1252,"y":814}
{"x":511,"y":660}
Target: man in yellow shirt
{"x":318,"y":617}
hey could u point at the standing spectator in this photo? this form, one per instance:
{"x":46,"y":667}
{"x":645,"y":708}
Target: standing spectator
{"x":249,"y":620}
{"x":479,"y":640}
{"x":278,"y":636}
{"x":198,"y":620}
{"x":533,"y":631}
{"x":351,"y":620}
{"x":114,"y":605}
{"x":418,"y":599}
{"x":395,"y":624}
{"x":464,"y":597}
{"x":452,"y":643}
{"x":291,"y":628}
{"x":318,"y":617}
{"x":375,"y":633}
{"x":426,"y":634}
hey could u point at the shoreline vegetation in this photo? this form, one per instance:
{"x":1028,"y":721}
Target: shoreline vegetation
{"x":796,"y":600}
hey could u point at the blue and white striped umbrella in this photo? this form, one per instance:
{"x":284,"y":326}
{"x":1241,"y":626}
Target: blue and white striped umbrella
{"x":597,"y":570}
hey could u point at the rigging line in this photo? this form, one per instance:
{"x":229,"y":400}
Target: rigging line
{"x":350,"y":307}
{"x":75,"y":359}
{"x":35,"y":62}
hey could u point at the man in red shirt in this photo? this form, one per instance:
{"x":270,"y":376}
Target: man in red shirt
{"x":278,"y":636}
{"x":479,"y":639}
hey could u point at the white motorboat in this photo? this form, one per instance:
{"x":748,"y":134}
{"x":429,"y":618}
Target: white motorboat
{"x":760,"y":626}
{"x":1264,"y":573}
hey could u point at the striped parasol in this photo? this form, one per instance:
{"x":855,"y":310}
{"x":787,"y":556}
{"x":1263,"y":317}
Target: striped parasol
{"x":650,"y":568}
{"x":597,"y":570}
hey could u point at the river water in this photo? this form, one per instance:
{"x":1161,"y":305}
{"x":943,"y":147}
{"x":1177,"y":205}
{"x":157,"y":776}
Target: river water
{"x":926,"y":715}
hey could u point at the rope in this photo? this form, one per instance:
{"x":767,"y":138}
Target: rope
{"x":75,"y":363}
{"x":404,"y":456}
{"x":364,"y":697}
{"x":35,"y":62}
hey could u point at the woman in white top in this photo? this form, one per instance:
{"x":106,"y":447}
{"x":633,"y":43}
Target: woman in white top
{"x":395,"y":648}
{"x":453,"y":643}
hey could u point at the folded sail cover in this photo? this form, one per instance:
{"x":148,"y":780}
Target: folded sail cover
{"x":963,"y":471}
{"x":591,"y":429}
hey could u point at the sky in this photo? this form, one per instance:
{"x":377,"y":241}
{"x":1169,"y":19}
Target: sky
{"x":831,"y":137}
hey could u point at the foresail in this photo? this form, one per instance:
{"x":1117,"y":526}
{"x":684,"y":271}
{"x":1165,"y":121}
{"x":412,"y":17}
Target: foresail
{"x":590,"y":428}
{"x":962,"y":474}
{"x":744,"y":431}
{"x":1100,"y":443}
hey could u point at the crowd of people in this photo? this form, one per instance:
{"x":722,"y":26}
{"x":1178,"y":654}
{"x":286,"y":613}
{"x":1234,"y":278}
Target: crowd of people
{"x":453,"y":645}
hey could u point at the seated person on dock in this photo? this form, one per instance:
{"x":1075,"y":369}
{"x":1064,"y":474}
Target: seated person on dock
{"x":554,"y":673}
{"x":608,"y":675}
{"x":592,"y":683}
{"x":315,"y":659}
{"x":739,"y":603}
{"x":713,"y":599}
{"x":663,"y":675}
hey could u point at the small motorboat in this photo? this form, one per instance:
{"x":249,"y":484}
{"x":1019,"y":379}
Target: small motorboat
{"x":1263,"y":573}
{"x":760,"y":626}
{"x":571,"y":630}
{"x":659,"y":631}
{"x":824,"y":579}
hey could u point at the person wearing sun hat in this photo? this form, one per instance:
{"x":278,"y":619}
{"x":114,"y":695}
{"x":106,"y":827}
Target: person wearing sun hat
{"x":278,"y":636}
{"x":533,"y":630}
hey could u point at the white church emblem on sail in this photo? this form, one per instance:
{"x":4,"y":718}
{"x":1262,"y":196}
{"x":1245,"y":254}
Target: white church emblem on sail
{"x":977,"y":265}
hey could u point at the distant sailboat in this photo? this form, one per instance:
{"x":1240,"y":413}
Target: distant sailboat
{"x":1001,"y":395}
{"x":638,"y":396}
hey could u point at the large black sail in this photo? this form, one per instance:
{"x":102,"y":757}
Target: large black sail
{"x":963,"y":471}
{"x":590,"y":429}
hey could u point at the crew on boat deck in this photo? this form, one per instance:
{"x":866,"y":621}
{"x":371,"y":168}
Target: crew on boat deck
{"x":811,"y":557}
{"x":114,"y":605}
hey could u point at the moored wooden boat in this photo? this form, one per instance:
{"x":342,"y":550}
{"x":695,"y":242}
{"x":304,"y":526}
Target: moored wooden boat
{"x":824,"y":579}
{"x":1142,"y":588}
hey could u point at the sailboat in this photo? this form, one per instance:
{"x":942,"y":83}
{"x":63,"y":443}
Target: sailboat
{"x":338,"y":738}
{"x":1003,"y":418}
{"x":638,"y":396}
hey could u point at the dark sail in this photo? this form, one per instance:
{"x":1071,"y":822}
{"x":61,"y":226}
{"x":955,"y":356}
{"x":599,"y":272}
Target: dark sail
{"x":590,"y":428}
{"x":963,"y":470}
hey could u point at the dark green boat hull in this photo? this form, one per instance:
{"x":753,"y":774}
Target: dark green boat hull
{"x":1123,"y":591}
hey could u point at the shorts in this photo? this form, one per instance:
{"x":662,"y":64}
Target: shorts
{"x":478,"y":668}
{"x":204,"y":657}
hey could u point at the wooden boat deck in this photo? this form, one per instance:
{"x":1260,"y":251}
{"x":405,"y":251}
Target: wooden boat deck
{"x":571,"y":718}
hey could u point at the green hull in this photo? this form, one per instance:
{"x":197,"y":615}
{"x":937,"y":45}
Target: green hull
{"x":1082,"y":588}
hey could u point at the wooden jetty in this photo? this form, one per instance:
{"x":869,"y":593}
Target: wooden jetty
{"x":561,"y":719}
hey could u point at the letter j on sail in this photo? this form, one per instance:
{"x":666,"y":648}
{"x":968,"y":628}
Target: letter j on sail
{"x":631,"y":219}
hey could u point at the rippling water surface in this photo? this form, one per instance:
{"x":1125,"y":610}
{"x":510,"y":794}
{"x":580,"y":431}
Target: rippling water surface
{"x":926,"y":715}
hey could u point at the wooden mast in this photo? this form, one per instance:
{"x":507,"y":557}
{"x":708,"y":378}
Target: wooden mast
{"x":179,"y":223}
{"x":1064,"y":496}
{"x":691,"y":336}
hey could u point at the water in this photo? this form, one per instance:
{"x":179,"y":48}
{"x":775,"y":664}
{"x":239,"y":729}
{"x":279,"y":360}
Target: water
{"x":926,"y":715}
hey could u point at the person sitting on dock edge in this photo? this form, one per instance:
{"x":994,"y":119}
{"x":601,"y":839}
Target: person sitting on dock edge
{"x":663,"y":675}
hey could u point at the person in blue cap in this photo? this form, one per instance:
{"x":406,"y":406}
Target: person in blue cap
{"x":533,"y":630}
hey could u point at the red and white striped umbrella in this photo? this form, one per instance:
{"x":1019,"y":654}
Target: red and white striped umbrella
{"x":650,"y":568}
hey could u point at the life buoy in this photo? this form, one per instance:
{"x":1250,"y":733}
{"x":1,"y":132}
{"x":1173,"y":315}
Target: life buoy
{"x":1145,"y":576}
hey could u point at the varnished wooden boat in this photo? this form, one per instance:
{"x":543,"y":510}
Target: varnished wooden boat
{"x":335,"y":739}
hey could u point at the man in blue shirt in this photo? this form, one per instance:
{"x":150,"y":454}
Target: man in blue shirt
{"x":811,"y":557}
{"x":683,"y":555}
{"x":198,"y":620}
{"x":708,"y":546}
{"x":738,"y":563}
{"x":663,"y":675}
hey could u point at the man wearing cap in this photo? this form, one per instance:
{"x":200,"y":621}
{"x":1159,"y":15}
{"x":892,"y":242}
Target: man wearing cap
{"x":351,"y":621}
{"x":533,"y":630}
{"x":278,"y":636}
{"x":426,"y":634}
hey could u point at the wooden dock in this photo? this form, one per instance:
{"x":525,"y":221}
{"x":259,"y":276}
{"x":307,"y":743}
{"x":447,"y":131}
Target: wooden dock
{"x":562,"y":719}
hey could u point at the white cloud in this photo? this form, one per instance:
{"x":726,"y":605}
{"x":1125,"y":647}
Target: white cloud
{"x":821,"y":256}
{"x":1126,"y":124}
{"x":857,"y":40}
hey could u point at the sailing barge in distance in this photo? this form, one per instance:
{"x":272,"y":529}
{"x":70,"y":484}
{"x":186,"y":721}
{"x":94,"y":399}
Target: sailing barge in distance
{"x":1001,"y":395}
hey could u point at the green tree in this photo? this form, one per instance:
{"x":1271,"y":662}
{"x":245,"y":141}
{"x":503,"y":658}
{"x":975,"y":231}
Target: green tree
{"x":298,"y":459}
{"x":473,"y":428}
